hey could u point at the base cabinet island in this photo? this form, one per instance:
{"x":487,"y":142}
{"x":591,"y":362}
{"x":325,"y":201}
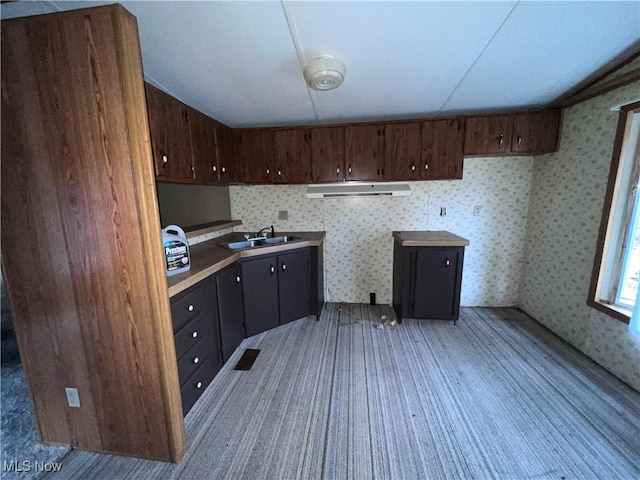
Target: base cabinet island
{"x":427,"y":274}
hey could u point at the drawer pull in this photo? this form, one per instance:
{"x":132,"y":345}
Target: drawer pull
{"x":284,"y":267}
{"x":199,"y":385}
{"x":447,"y":262}
{"x":272,"y":269}
{"x":194,"y":334}
{"x":190,"y":308}
{"x":196,"y":360}
{"x":237,"y":278}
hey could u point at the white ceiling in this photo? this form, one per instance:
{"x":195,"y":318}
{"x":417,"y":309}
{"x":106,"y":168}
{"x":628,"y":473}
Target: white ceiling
{"x":241,"y":62}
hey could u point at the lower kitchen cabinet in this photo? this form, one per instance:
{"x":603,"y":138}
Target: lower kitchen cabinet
{"x":427,"y":281}
{"x":275,"y":289}
{"x":230,"y":309}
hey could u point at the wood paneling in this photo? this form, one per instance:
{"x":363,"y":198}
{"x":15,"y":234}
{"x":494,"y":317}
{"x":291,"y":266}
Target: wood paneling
{"x":364,"y":152}
{"x":487,"y":135}
{"x":327,"y":154}
{"x":402,"y":151}
{"x":442,"y":149}
{"x":535,"y":132}
{"x":202,"y":130}
{"x":292,"y":155}
{"x":82,"y":254}
{"x":254,"y":155}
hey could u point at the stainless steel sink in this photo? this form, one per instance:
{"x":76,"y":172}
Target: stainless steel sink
{"x":265,"y":242}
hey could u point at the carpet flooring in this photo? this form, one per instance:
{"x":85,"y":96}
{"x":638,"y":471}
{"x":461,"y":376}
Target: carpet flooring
{"x":496,"y":396}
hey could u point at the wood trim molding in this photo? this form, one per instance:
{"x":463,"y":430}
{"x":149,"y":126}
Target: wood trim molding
{"x":604,"y":222}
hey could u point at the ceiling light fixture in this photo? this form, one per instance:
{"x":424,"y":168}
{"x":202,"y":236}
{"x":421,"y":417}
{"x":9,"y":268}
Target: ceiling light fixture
{"x":325,"y":73}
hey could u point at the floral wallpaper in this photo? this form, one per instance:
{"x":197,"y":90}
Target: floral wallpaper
{"x":567,"y":195}
{"x":359,"y":247}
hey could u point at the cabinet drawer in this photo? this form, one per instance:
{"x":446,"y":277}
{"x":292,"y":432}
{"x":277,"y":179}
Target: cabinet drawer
{"x":203,"y":350}
{"x":189,"y":304}
{"x":192,"y":333}
{"x":195,"y":385}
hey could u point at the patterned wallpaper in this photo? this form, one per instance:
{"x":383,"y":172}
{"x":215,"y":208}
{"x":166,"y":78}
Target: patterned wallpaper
{"x":359,"y":246}
{"x":566,"y":204}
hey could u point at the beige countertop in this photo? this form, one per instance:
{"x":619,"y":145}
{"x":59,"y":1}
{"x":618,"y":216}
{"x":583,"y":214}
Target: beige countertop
{"x":210,"y":257}
{"x":436,"y":238}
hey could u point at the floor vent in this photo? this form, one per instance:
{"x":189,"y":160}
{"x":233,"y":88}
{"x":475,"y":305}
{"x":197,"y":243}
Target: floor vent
{"x":248,"y":357}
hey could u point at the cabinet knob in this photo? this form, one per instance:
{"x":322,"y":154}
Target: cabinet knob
{"x":284,"y":267}
{"x":447,"y":263}
{"x":224,"y":170}
{"x":279,"y":173}
{"x":426,"y":166}
{"x":194,"y":334}
{"x":519,"y":139}
{"x":500,"y":140}
{"x":338,"y":171}
{"x":190,"y":308}
{"x":196,"y":360}
{"x":199,"y":385}
{"x":272,"y":269}
{"x":237,"y":278}
{"x":349,"y":169}
{"x":214,"y":169}
{"x":268,"y":171}
{"x":413,"y":168}
{"x":165,"y":159}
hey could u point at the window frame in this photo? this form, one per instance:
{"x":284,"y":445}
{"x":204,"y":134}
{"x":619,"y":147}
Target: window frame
{"x":594,"y":298}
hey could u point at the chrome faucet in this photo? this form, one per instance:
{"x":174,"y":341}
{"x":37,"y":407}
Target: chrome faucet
{"x":273,"y":234}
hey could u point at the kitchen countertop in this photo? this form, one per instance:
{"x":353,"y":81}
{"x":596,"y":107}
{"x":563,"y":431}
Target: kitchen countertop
{"x":210,"y":257}
{"x":435,"y":238}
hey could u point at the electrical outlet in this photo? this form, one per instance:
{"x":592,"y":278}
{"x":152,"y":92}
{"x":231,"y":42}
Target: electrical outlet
{"x":283,"y":215}
{"x":443,"y":211}
{"x":73,"y":399}
{"x":477,"y":210}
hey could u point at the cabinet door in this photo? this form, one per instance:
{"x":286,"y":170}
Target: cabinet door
{"x":327,"y":154}
{"x":292,"y":155}
{"x":487,"y":135}
{"x":255,"y":155}
{"x":437,"y":277}
{"x":364,"y":151}
{"x":293,"y":283}
{"x":402,"y":151}
{"x":227,"y":167}
{"x":169,"y":131}
{"x":260,"y":290}
{"x":230,"y":310}
{"x":535,"y":132}
{"x":203,"y":147}
{"x":442,"y":149}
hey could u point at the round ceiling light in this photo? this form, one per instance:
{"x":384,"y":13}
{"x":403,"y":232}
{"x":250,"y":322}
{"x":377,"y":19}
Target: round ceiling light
{"x":324,"y":73}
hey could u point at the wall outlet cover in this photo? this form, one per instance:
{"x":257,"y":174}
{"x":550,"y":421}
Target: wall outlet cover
{"x":73,"y":399}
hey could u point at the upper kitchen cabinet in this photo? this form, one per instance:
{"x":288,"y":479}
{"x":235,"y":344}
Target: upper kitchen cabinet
{"x":292,"y":155}
{"x":327,"y":154}
{"x":535,"y":133}
{"x":227,"y":167}
{"x":442,"y":149}
{"x":254,"y":155}
{"x":170,"y":139}
{"x":203,"y":147}
{"x":364,"y":152}
{"x":487,"y":135}
{"x":402,"y":151}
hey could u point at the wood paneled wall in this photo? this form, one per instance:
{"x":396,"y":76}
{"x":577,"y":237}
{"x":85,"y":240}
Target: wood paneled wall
{"x":82,"y":253}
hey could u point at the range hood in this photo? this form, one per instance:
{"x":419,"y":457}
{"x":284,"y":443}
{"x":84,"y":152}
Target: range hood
{"x":351,"y":189}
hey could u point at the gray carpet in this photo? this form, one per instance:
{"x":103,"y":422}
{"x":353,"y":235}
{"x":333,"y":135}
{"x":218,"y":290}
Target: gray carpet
{"x":496,"y":396}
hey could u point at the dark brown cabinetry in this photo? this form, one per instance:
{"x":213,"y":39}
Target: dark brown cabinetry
{"x":327,"y":154}
{"x":402,"y":151}
{"x":427,"y":281}
{"x":364,"y":152}
{"x":275,"y":290}
{"x":227,"y":168}
{"x":487,"y":135}
{"x":255,"y":155}
{"x":203,"y":147}
{"x":535,"y":132}
{"x":194,"y":314}
{"x":442,"y":149}
{"x":170,"y":139}
{"x":292,"y":150}
{"x":230,"y":309}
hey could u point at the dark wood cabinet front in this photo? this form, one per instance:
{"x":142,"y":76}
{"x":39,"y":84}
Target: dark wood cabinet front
{"x":293,"y":285}
{"x":230,"y":309}
{"x":327,"y":154}
{"x":364,"y":152}
{"x":255,"y":155}
{"x":169,"y":131}
{"x":292,"y":156}
{"x":203,"y":147}
{"x":487,"y":135}
{"x":402,"y":151}
{"x":260,"y":290}
{"x":227,"y":167}
{"x":442,"y":150}
{"x":535,"y":132}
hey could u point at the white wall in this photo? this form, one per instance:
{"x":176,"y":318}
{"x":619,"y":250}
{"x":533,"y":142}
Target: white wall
{"x":566,"y":205}
{"x":359,"y":246}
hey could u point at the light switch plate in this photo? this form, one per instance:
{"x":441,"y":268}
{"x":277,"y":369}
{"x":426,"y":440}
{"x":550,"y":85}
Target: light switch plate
{"x":73,"y":399}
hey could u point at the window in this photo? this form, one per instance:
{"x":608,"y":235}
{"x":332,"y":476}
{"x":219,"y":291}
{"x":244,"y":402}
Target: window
{"x":614,"y":283}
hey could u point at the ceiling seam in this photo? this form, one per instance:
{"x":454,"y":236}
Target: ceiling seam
{"x":478,"y":57}
{"x":54,"y":5}
{"x":296,"y":45}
